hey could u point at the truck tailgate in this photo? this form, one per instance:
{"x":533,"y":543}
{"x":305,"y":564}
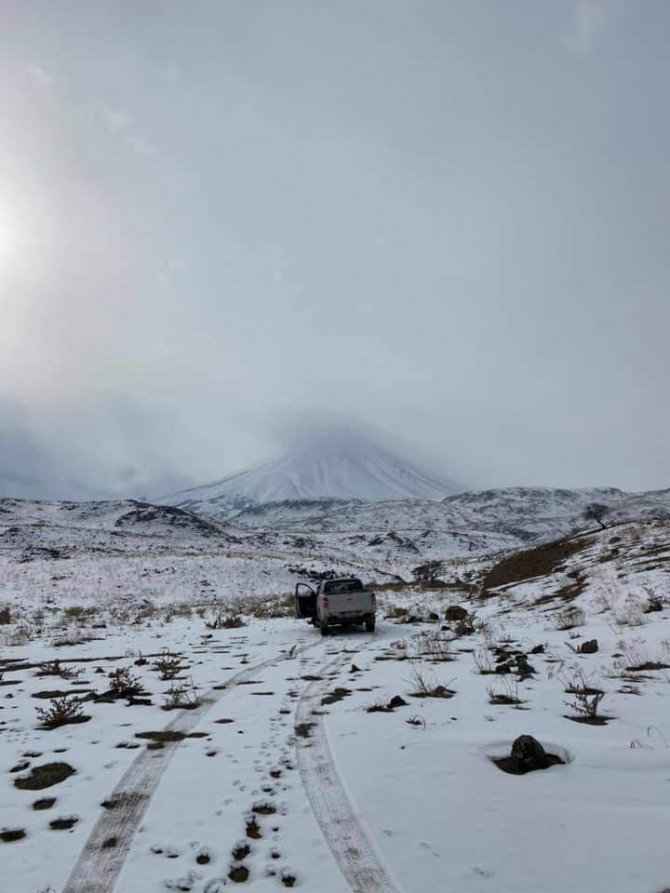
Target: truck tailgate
{"x":343,"y":603}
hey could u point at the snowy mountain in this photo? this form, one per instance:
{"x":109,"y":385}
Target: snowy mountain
{"x":332,"y":467}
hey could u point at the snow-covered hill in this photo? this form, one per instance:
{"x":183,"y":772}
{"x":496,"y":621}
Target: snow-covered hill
{"x":335,"y":466}
{"x":101,"y":524}
{"x":515,"y":515}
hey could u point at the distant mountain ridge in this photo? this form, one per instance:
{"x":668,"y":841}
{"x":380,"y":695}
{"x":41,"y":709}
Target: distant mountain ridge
{"x":331,"y":467}
{"x":523,"y":514}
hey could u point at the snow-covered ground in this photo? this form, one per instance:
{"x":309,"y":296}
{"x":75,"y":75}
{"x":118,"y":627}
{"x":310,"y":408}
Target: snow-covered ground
{"x":275,"y":772}
{"x":347,"y":799}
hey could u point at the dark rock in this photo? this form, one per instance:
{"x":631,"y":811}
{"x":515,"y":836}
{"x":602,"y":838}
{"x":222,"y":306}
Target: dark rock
{"x":538,"y":649}
{"x":523,"y":668}
{"x":397,"y":701}
{"x":455,"y":612}
{"x":516,"y":663}
{"x":529,"y":753}
{"x":589,"y":647}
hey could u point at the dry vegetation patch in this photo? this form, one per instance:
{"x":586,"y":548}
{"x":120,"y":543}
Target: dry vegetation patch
{"x":334,"y":696}
{"x":424,"y":686}
{"x":538,"y":562}
{"x":61,"y":712}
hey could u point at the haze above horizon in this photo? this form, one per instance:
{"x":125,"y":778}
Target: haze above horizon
{"x":225,"y":227}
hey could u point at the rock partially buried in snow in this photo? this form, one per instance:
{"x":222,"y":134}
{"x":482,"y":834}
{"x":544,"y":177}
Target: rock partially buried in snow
{"x":527,"y":755}
{"x":589,"y":647}
{"x":455,"y":612}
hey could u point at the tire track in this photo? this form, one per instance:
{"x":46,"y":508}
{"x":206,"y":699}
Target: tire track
{"x":103,"y":856}
{"x":352,"y":848}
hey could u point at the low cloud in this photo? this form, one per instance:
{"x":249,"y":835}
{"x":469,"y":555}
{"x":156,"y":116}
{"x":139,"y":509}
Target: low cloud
{"x":115,"y":119}
{"x":589,"y":19}
{"x":40,"y":75}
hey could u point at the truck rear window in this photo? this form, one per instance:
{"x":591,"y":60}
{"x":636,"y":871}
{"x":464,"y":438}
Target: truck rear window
{"x":342,"y":586}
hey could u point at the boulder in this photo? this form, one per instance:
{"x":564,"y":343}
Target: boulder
{"x":455,"y":612}
{"x":529,"y":754}
{"x":589,"y":647}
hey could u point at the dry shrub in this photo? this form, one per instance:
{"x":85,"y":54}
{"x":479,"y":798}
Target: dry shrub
{"x":435,"y":645}
{"x":61,"y":712}
{"x":636,"y":656}
{"x":631,"y":613}
{"x":483,"y":661}
{"x":266,"y":608}
{"x":224,"y":619}
{"x":122,"y":683}
{"x":56,"y":668}
{"x":569,"y":618}
{"x":169,"y":665}
{"x":78,"y":612}
{"x":509,"y":694}
{"x":424,"y":686}
{"x":182,"y":696}
{"x":586,"y":704}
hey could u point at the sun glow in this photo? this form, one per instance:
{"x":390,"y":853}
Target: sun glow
{"x":8,"y":242}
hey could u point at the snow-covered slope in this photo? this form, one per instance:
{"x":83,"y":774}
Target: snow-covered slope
{"x":31,"y":524}
{"x":524,"y":513}
{"x":335,"y":466}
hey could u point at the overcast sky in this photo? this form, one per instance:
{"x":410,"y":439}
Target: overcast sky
{"x":221,"y":222}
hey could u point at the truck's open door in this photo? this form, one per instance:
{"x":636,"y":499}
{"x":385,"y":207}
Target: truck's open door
{"x":305,"y":601}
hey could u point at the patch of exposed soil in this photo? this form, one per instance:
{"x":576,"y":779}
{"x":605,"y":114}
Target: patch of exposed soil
{"x":440,"y":691}
{"x":57,"y":693}
{"x":303,"y":729}
{"x":44,"y":803}
{"x":45,"y":776}
{"x":63,"y":824}
{"x":334,"y":696}
{"x":591,"y":720}
{"x":11,"y":835}
{"x":169,"y":736}
{"x":239,"y":874}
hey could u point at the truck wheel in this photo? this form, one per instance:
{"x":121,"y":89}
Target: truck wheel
{"x":324,"y":628}
{"x":370,"y":625}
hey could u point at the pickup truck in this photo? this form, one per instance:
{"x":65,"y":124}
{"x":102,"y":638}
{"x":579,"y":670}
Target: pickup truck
{"x":342,"y":601}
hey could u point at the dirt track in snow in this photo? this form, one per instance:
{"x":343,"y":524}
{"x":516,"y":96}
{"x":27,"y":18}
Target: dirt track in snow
{"x":104,"y":854}
{"x":349,"y":842}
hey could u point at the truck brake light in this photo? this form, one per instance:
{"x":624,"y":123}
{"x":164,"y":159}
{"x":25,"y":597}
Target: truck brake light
{"x":324,"y":601}
{"x":373,"y":598}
